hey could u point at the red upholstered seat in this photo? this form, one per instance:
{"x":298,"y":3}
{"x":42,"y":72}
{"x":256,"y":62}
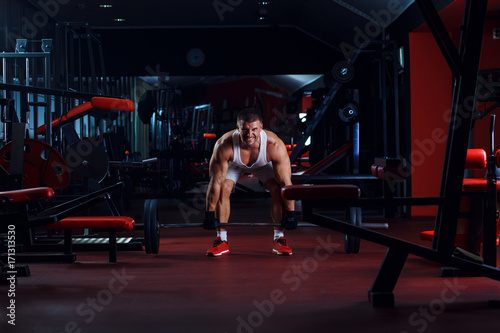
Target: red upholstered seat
{"x":95,"y":222}
{"x":330,"y":191}
{"x":30,"y":194}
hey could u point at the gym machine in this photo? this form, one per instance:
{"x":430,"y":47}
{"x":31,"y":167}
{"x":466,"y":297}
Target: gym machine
{"x":464,"y":65}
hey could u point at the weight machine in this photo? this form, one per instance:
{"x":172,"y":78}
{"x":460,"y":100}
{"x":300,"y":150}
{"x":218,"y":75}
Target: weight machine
{"x":464,"y":64}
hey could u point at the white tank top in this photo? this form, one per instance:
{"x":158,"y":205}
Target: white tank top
{"x":261,"y":159}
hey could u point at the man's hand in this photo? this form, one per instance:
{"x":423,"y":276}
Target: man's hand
{"x":210,"y":222}
{"x":289,"y":221}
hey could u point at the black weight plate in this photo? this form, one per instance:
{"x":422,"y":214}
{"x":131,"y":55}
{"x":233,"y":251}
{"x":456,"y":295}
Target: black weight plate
{"x":87,"y":158}
{"x":348,"y":113}
{"x":154,"y":226}
{"x":343,"y":72}
{"x":147,"y":225}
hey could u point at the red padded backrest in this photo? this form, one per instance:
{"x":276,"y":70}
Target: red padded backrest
{"x":476,"y":159}
{"x":116,"y":104}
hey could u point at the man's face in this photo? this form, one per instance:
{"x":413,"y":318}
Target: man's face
{"x":249,"y":132}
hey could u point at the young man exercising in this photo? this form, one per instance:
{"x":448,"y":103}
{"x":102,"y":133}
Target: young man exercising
{"x":252,"y":149}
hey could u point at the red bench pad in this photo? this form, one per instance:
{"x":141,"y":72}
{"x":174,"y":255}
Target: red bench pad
{"x":330,"y":191}
{"x":29,"y":194}
{"x":94,"y":222}
{"x":476,"y":185}
{"x":460,"y":239}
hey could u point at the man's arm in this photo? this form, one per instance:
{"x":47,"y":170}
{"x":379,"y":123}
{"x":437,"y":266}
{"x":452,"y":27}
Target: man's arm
{"x":217,"y":172}
{"x":282,"y":168}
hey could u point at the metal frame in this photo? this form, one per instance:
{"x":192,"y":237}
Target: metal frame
{"x":464,"y":64}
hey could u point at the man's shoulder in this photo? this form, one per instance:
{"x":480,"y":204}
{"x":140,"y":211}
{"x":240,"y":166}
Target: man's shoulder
{"x":275,"y":145}
{"x":227,"y":138}
{"x":272,"y":138}
{"x":225,"y":142}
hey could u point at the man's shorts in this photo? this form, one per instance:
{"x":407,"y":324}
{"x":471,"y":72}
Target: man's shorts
{"x":263,"y":173}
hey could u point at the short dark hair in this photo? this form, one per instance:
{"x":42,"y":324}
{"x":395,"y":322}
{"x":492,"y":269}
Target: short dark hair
{"x":249,"y":115}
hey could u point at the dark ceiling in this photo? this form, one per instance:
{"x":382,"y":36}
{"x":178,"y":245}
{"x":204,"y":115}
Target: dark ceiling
{"x":293,"y":36}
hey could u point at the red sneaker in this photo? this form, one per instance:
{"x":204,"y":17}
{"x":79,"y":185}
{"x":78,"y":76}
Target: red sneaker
{"x":219,"y":248}
{"x":280,"y":247}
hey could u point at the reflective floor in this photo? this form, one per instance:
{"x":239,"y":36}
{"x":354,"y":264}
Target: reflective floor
{"x":317,"y":289}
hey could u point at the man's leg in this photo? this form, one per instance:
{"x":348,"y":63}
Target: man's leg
{"x":222,"y":211}
{"x":276,"y":201}
{"x":223,"y":208}
{"x":277,"y":209}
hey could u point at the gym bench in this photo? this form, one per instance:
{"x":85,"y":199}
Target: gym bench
{"x":61,"y":217}
{"x":20,"y":198}
{"x":110,"y":224}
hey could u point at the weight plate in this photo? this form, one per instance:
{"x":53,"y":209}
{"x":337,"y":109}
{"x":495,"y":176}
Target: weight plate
{"x":147,"y":225}
{"x":348,"y":113}
{"x":43,"y":165}
{"x":154,"y":226}
{"x":343,"y":71}
{"x":87,"y":158}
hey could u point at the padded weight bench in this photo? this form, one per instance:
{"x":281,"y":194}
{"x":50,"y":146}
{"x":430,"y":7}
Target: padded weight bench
{"x":306,"y":193}
{"x":27,"y":195}
{"x":61,"y":217}
{"x":312,"y":195}
{"x":110,"y":224}
{"x":20,"y":197}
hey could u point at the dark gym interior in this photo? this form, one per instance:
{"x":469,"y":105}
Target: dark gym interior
{"x":110,"y":111}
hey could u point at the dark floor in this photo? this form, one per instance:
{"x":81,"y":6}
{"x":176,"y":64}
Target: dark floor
{"x":317,"y":289}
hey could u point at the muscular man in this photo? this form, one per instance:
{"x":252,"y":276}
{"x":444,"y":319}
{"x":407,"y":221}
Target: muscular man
{"x":252,"y":149}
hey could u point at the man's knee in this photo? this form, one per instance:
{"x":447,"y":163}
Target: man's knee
{"x":226,"y":189}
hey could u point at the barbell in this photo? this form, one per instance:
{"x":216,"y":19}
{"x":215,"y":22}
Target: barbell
{"x":152,"y":227}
